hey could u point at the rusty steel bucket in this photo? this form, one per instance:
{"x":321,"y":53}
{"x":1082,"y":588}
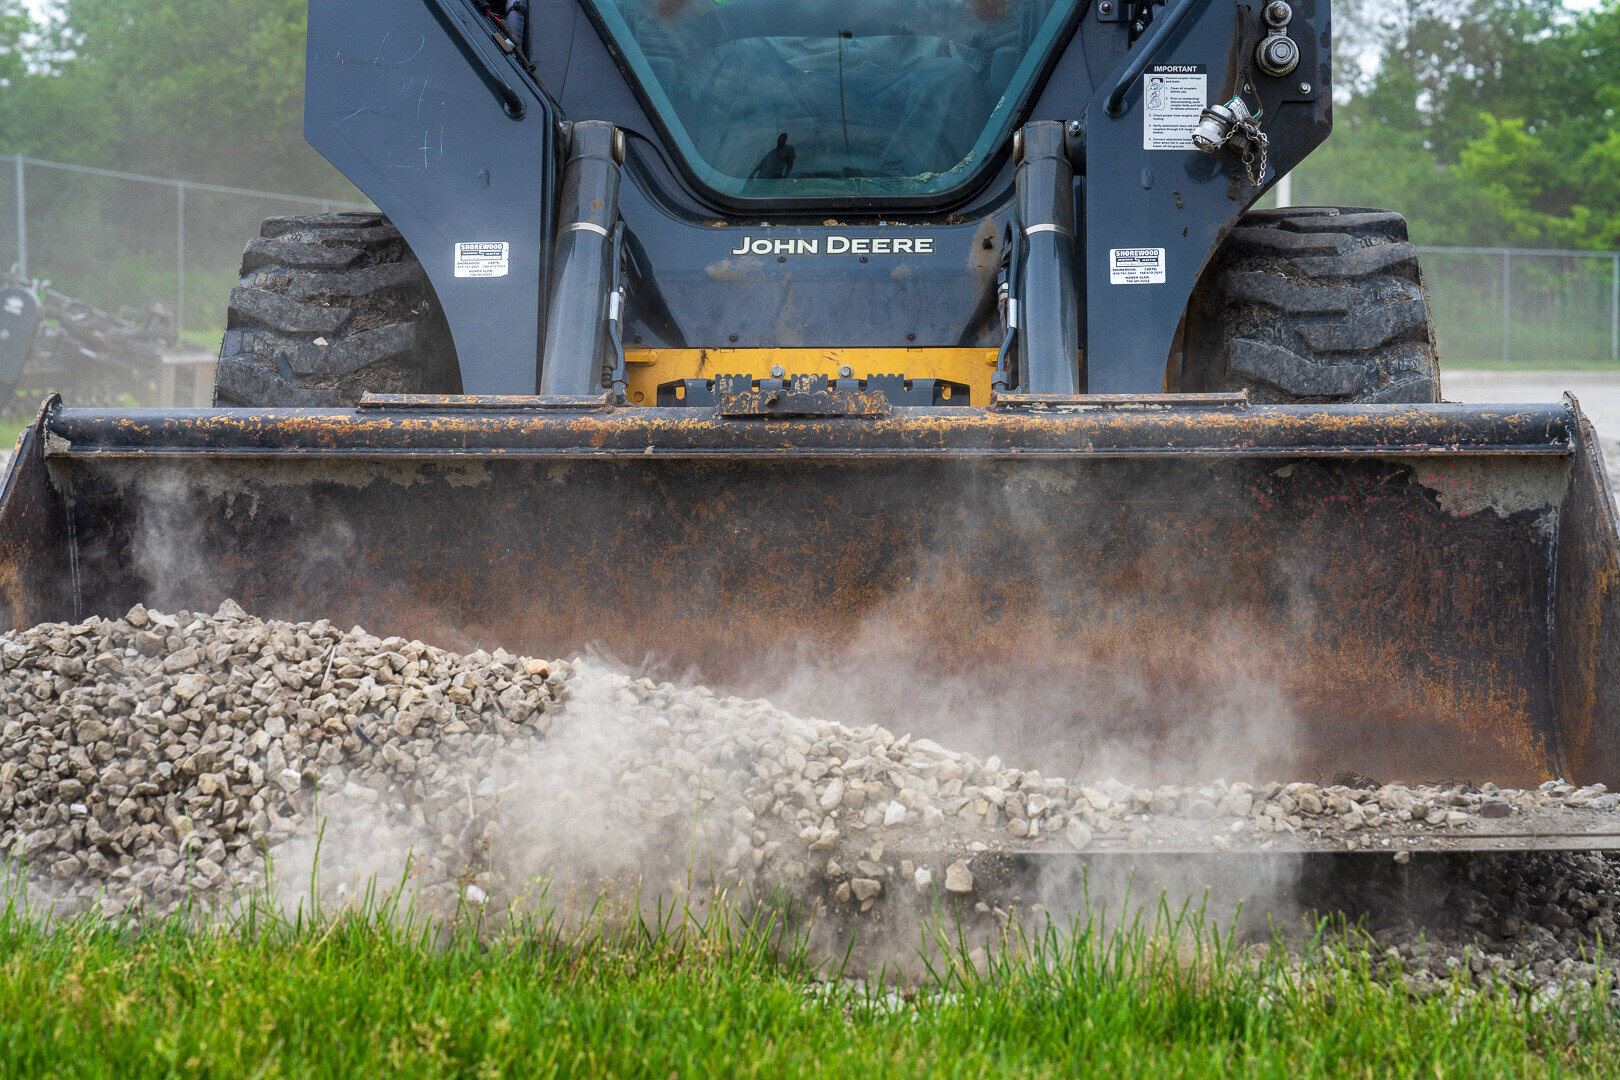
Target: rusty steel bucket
{"x":1169,"y":588}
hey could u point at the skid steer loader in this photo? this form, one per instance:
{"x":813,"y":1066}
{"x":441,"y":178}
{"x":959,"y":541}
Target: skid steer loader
{"x":930,"y":347}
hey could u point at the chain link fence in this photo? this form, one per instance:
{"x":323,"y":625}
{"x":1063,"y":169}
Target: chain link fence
{"x":117,"y":238}
{"x":1524,"y":307}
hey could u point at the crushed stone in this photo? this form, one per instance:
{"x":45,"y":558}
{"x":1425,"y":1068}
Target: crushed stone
{"x":164,"y":758}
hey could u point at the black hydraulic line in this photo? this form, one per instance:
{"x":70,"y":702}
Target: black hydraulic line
{"x":1008,"y":285}
{"x":463,"y":35}
{"x":1143,"y":53}
{"x":620,"y":371}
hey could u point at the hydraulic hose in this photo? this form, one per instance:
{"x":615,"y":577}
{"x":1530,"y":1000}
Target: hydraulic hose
{"x":1049,"y":301}
{"x":582,"y":268}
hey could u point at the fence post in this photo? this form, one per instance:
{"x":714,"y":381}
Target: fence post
{"x":1507,"y":299}
{"x":22,"y":221}
{"x":1614,"y":310}
{"x":179,"y":256}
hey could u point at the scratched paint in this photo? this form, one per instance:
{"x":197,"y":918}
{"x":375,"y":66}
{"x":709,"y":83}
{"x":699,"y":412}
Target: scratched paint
{"x":392,"y":92}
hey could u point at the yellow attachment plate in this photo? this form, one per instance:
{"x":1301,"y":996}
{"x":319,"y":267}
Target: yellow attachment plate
{"x":650,"y":368}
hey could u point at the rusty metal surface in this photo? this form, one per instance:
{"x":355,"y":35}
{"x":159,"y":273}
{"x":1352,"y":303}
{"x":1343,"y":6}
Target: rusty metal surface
{"x":1117,"y":401}
{"x":804,"y":395}
{"x":1235,"y":431}
{"x":1588,"y":612}
{"x":36,"y":575}
{"x":1176,"y":593}
{"x":486,"y":403}
{"x":1543,"y":829}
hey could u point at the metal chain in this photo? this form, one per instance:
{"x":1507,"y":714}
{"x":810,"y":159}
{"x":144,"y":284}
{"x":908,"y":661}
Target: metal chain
{"x":1251,"y":127}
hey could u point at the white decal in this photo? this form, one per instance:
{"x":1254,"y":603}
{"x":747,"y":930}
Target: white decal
{"x":837,"y":245}
{"x":1136,"y":266}
{"x":1173,"y":96}
{"x":481,"y":259}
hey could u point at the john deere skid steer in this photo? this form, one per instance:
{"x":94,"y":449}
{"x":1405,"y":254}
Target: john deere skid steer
{"x":931,"y":346}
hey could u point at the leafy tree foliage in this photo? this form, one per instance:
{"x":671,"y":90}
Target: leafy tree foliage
{"x":1486,"y":122}
{"x":201,"y":89}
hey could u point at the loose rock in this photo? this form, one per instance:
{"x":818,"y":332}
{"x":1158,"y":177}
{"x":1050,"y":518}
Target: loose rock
{"x":161,"y":757}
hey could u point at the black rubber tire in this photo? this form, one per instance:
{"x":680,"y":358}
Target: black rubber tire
{"x":331,"y":307}
{"x":1314,"y":304}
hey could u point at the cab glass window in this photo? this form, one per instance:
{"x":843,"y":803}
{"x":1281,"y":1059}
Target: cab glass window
{"x":830,"y":99}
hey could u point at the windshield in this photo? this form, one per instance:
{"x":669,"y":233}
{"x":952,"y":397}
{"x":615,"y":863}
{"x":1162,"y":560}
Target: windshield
{"x":797,"y":99}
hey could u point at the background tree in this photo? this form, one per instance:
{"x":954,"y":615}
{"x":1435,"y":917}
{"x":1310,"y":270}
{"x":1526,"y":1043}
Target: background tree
{"x":208,"y":90}
{"x":1486,"y":121}
{"x":201,"y":90}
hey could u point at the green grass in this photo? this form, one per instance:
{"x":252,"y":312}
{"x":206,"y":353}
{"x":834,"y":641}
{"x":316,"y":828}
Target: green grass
{"x":206,"y":339}
{"x":366,"y":995}
{"x":9,"y":430}
{"x":1496,"y":363}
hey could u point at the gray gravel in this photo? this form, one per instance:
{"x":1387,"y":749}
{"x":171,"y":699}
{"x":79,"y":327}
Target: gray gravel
{"x":157,"y":758}
{"x":1524,"y":921}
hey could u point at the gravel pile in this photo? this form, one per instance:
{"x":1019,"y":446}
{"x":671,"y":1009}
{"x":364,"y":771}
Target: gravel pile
{"x":159,"y":757}
{"x":1536,"y":922}
{"x":155,"y":757}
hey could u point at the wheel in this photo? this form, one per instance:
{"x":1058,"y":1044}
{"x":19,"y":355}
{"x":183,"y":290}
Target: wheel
{"x":1313,"y":304}
{"x":332,"y":306}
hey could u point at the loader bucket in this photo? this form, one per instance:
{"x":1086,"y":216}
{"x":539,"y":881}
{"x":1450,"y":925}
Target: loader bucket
{"x":1170,"y":590}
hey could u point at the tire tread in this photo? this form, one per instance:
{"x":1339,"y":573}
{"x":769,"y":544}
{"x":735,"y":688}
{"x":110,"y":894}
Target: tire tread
{"x":331,"y":307}
{"x":1314,"y":304}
